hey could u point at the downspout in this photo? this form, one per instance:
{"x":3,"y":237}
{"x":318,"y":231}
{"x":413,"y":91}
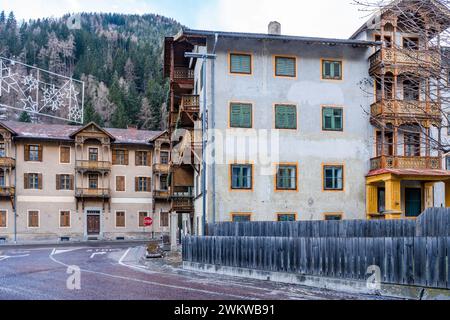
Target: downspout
{"x":15,"y":196}
{"x":213,"y":126}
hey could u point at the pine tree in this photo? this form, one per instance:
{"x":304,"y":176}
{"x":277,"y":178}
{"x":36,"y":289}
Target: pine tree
{"x":90,"y":115}
{"x":24,"y":117}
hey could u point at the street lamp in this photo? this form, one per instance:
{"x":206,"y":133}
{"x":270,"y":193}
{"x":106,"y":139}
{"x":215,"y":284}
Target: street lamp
{"x":204,"y":57}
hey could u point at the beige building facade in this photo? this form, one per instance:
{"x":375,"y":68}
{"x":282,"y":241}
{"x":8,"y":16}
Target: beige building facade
{"x":71,"y":183}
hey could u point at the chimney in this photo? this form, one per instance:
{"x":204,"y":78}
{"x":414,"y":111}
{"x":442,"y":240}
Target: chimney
{"x":275,"y":28}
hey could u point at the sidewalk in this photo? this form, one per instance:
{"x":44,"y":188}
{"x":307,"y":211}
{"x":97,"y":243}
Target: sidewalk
{"x":96,"y":243}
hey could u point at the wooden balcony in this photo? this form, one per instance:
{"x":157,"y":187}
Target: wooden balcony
{"x":6,"y":162}
{"x":161,"y":194}
{"x":412,"y":110}
{"x":400,"y":162}
{"x":190,"y":103}
{"x":161,"y":168}
{"x":7,"y":191}
{"x":101,"y":193}
{"x":404,"y":58}
{"x":86,"y":165}
{"x":183,"y":205}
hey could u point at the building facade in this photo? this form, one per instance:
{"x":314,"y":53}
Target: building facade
{"x":61,"y":182}
{"x":324,"y":108}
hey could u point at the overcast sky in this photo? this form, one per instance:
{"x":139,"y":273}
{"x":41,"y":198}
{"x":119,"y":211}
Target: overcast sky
{"x":323,"y":18}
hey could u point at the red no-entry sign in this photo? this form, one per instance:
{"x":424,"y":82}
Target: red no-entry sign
{"x":148,"y":221}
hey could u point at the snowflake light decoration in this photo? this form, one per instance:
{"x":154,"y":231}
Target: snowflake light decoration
{"x":53,"y":97}
{"x":30,"y":83}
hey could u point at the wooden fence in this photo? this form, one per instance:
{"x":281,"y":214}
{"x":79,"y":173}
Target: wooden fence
{"x":433,"y":222}
{"x":421,"y":261}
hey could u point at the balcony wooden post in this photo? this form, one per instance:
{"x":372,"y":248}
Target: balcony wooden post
{"x":395,"y":141}
{"x":447,"y":194}
{"x":429,"y":194}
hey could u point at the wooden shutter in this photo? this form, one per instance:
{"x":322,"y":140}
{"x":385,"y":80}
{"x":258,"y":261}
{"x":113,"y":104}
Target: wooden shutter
{"x":64,"y":154}
{"x":26,"y":154}
{"x":240,"y":63}
{"x":138,"y":158}
{"x":40,"y":149}
{"x":58,"y":182}
{"x":136,"y":184}
{"x":285,"y":66}
{"x":72,"y":182}
{"x":246,"y":112}
{"x":149,"y":157}
{"x":2,"y":219}
{"x":40,"y":181}
{"x":285,"y":117}
{"x":149,"y":183}
{"x":125,"y":152}
{"x":336,"y":70}
{"x":114,"y":156}
{"x":235,"y":115}
{"x":241,"y":115}
{"x":25,"y":181}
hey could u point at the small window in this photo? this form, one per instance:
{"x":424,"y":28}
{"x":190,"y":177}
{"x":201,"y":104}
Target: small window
{"x":412,"y":144}
{"x":285,"y":117}
{"x":164,"y":157}
{"x":93,"y":154}
{"x":240,"y":63}
{"x":93,"y":181}
{"x":3,"y":218}
{"x":143,"y":184}
{"x":241,"y":177}
{"x":2,"y":178}
{"x":331,"y":69}
{"x":287,"y":177}
{"x":64,"y":219}
{"x":64,"y":182}
{"x":33,"y":152}
{"x":120,"y":219}
{"x":333,"y":177}
{"x":244,"y":217}
{"x":332,"y":119}
{"x":411,"y":43}
{"x":142,"y":216}
{"x":164,"y":219}
{"x":33,"y":219}
{"x":240,"y":115}
{"x":120,"y":157}
{"x":120,"y":183}
{"x":285,"y":67}
{"x":2,"y":150}
{"x":286,"y":217}
{"x":64,"y":156}
{"x":163,"y":182}
{"x":33,"y":181}
{"x":333,"y":216}
{"x":142,"y":158}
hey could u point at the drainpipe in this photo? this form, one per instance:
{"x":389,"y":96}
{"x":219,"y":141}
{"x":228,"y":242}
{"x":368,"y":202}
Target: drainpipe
{"x":15,"y":196}
{"x":213,"y":126}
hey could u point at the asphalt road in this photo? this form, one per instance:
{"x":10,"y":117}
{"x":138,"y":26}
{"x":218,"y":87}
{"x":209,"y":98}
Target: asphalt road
{"x":113,"y":272}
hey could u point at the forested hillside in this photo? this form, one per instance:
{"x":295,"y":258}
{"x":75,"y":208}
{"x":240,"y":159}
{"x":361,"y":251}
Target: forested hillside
{"x":119,"y":57}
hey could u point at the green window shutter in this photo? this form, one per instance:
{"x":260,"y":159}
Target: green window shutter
{"x":332,"y":70}
{"x":285,"y":117}
{"x":332,"y":119}
{"x":285,"y":67}
{"x":240,"y":63}
{"x":241,"y":115}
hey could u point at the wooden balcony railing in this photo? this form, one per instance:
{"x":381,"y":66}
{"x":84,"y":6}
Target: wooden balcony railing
{"x":190,"y":103}
{"x":7,"y":162}
{"x":407,"y":57}
{"x":183,"y":192}
{"x":183,"y":204}
{"x":7,"y":191}
{"x":161,"y":194}
{"x":93,"y":165}
{"x":403,"y":108}
{"x":401,"y":162}
{"x":161,"y":168}
{"x":183,"y":73}
{"x":92,"y":193}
